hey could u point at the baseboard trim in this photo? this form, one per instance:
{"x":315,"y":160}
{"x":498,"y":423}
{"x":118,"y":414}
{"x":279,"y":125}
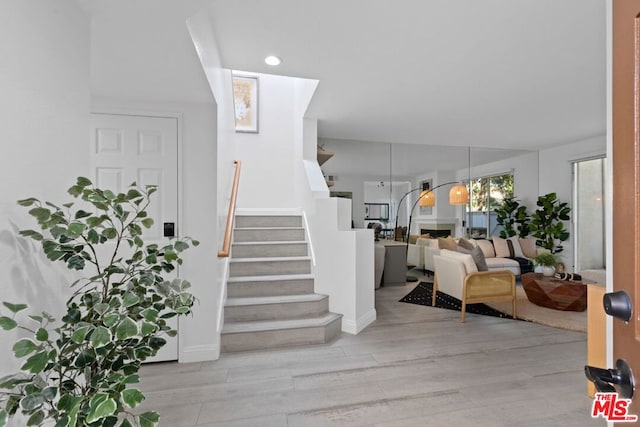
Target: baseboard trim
{"x":199,"y":353}
{"x":354,"y":328}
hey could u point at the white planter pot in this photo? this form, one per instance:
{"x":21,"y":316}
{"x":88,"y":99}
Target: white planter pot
{"x":548,"y":271}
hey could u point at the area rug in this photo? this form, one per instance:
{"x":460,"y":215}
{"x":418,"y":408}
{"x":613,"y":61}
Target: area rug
{"x":571,"y":320}
{"x":422,"y":294}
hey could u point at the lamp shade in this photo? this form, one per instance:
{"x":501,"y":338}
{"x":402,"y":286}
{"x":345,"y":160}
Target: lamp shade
{"x":458,"y":195}
{"x":427,"y":198}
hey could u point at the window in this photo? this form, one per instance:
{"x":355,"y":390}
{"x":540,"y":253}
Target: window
{"x":588,"y":216}
{"x":484,"y":195}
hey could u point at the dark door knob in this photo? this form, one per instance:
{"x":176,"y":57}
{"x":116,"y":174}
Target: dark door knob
{"x":618,"y":304}
{"x":612,"y":380}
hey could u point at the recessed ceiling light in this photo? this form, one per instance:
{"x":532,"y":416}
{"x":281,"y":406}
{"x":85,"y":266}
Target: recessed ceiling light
{"x":272,"y":60}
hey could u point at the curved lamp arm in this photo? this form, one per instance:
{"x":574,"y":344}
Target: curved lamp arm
{"x":416,"y":202}
{"x":400,"y":203}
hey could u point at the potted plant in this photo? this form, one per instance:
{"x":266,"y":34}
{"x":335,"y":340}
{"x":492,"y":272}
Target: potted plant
{"x":547,"y":261}
{"x":513,"y":218}
{"x":81,"y":371}
{"x":547,"y":223}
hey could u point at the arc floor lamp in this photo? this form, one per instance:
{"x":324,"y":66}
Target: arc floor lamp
{"x":458,"y":195}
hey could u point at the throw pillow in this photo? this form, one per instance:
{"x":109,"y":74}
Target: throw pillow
{"x":463,"y":250}
{"x":464,"y":243}
{"x":478,"y":258}
{"x":517,"y":249}
{"x":502,"y":247}
{"x":528,"y":246}
{"x":487,"y":248}
{"x":447,"y":243}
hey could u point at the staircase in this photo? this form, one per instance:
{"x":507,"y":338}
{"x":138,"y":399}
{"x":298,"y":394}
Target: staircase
{"x":270,"y":299}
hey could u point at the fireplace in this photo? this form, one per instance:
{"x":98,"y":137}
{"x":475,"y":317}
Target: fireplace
{"x":435,"y":233}
{"x":438,"y":229}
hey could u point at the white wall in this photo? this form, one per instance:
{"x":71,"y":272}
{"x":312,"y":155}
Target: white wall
{"x":267,"y":157}
{"x":44,"y":82}
{"x":166,"y":93}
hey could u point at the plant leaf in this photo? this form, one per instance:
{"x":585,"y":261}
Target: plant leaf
{"x":24,"y":347}
{"x":32,"y":401}
{"x":149,"y":419}
{"x":132,"y":397}
{"x":100,"y":337}
{"x":79,"y":334}
{"x":36,"y":419}
{"x":85,"y":358}
{"x":7,"y":323}
{"x":14,"y":308}
{"x":42,"y":334}
{"x":36,"y":363}
{"x":130,"y":299}
{"x":102,"y":410}
{"x":127,"y":328}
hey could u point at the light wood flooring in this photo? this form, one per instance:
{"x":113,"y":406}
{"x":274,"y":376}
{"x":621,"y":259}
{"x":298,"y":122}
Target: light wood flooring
{"x":415,"y":366}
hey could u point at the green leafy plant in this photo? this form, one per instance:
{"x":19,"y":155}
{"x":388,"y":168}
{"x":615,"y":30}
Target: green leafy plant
{"x":513,"y":218}
{"x":547,"y":222}
{"x":546,"y":259}
{"x":80,"y":372}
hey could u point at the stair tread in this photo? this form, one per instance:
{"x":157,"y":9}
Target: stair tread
{"x":264,"y":259}
{"x":274,"y":242}
{"x":271,"y":325}
{"x":261,"y":278}
{"x":290,"y":227}
{"x":275,"y":299}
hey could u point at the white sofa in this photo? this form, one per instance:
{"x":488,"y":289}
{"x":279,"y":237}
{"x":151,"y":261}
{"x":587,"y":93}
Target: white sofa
{"x":416,"y":252}
{"x":456,"y":274}
{"x":494,"y":262}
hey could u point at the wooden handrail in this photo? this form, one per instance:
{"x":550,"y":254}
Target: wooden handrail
{"x":226,"y":244}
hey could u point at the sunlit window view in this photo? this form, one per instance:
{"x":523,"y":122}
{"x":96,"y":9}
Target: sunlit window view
{"x":485,"y":194}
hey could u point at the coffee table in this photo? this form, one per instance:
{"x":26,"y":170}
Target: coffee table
{"x":554,"y":293}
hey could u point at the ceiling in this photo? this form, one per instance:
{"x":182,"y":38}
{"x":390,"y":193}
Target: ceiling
{"x":517,"y":74}
{"x":521,"y":74}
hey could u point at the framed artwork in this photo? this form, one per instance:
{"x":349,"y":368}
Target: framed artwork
{"x":426,"y":210}
{"x":245,"y":100}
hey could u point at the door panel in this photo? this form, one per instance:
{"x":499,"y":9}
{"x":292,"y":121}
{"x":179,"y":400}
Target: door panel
{"x":626,"y":183}
{"x":126,"y":149}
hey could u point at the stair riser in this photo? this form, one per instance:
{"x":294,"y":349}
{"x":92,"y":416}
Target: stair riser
{"x":267,"y":235}
{"x":278,"y":311}
{"x":272,"y":288}
{"x":280,"y":338}
{"x":269,"y":250}
{"x":269,"y":268}
{"x":268,"y":221}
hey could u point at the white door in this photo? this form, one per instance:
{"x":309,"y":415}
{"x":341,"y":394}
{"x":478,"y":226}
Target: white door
{"x":141,"y":149}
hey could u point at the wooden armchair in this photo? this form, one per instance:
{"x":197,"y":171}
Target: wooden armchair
{"x":456,"y":274}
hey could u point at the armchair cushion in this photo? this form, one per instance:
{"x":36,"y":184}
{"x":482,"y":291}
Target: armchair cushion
{"x":466,"y":259}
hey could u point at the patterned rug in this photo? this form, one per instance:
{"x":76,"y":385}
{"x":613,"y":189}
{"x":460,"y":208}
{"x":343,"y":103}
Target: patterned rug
{"x":527,"y":311}
{"x":422,"y":294}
